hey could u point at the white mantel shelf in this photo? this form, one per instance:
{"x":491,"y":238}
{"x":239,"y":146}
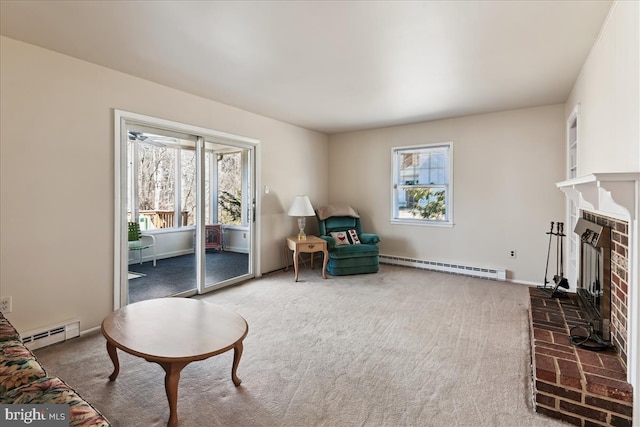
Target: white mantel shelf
{"x":612,"y":194}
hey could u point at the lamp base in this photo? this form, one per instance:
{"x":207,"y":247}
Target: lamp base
{"x":301,"y":224}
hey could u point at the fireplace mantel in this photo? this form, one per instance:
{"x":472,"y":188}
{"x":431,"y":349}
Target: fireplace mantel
{"x":612,"y":194}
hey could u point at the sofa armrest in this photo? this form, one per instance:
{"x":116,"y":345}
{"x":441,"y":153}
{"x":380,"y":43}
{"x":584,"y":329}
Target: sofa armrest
{"x":18,"y":366}
{"x":369,"y":238}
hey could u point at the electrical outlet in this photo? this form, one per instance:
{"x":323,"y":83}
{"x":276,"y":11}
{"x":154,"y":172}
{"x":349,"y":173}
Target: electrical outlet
{"x":512,"y":253}
{"x":5,"y":304}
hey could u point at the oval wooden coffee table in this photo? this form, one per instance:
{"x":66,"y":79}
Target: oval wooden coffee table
{"x":174,"y":332}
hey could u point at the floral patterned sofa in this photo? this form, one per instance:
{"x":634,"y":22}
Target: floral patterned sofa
{"x":24,"y":381}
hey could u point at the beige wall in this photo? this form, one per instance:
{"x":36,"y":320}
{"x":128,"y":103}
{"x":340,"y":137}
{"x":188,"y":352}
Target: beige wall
{"x":505,"y":167}
{"x":608,"y":91}
{"x":57,"y":177}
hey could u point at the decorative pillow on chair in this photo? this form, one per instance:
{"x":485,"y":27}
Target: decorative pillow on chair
{"x":349,"y":237}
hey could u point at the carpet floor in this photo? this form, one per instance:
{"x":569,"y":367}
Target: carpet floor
{"x":172,"y":276}
{"x":403,"y":347}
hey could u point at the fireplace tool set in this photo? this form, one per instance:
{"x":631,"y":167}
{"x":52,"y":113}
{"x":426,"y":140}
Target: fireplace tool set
{"x":558,"y":278}
{"x":588,"y":335}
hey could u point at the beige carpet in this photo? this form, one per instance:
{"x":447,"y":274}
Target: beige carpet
{"x":402,"y":347}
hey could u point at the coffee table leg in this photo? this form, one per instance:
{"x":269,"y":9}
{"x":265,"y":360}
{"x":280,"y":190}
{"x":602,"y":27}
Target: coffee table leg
{"x":113,"y":354}
{"x":237,"y":354}
{"x":171,"y":387}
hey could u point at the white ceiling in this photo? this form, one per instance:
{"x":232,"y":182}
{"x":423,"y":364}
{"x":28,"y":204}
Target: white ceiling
{"x":331,"y":66}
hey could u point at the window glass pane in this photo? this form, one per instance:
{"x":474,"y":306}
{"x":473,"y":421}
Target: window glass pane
{"x":438,"y":173}
{"x":208,"y":214}
{"x":230,"y":188}
{"x":188,"y":170}
{"x":156,"y":185}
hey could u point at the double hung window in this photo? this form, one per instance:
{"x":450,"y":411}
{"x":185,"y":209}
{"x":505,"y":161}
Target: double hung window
{"x":422,"y":187}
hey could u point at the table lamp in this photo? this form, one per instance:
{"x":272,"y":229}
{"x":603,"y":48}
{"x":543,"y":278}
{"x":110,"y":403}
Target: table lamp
{"x":301,"y":207}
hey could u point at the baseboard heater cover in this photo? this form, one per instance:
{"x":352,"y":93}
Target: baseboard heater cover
{"x":52,"y":334}
{"x":465,"y":270}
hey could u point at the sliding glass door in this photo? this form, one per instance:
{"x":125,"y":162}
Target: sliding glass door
{"x":228,"y":201}
{"x":188,"y":195}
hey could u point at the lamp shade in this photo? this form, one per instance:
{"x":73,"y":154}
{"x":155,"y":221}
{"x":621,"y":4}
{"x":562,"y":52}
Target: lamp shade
{"x":301,"y":206}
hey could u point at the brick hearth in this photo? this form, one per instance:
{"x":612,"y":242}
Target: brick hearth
{"x":582,"y":387}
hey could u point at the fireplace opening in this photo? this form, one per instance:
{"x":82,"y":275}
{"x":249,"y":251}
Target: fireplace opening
{"x":594,"y":280}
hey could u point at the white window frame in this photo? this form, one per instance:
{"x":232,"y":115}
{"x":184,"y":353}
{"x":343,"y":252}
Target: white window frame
{"x":396,"y":183}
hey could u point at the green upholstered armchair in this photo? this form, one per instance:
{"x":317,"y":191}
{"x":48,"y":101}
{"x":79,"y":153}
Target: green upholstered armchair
{"x":347,"y":258}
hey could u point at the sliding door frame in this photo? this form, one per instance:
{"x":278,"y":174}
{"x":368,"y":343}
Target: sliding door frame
{"x":122,"y":119}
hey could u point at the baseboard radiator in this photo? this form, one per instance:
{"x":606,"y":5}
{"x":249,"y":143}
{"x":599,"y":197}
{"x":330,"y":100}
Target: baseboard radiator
{"x":52,"y":334}
{"x":465,"y":270}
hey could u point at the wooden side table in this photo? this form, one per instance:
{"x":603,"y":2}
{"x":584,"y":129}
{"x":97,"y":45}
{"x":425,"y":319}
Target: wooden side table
{"x":310,"y":245}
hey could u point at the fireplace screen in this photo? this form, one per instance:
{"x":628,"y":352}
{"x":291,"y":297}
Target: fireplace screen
{"x":594,"y":283}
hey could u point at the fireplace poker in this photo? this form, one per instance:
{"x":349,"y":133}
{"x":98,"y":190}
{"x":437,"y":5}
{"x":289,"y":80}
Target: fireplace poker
{"x":546,"y":269}
{"x":559,"y":278}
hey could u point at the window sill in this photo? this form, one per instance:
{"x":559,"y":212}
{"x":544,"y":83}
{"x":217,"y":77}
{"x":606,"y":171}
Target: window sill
{"x":441,"y":224}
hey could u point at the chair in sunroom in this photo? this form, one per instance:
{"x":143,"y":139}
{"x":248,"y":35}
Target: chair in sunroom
{"x":139,"y":242}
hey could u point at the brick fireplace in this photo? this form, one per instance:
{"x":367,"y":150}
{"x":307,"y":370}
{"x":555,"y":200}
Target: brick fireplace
{"x":581,"y":386}
{"x":578,"y":386}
